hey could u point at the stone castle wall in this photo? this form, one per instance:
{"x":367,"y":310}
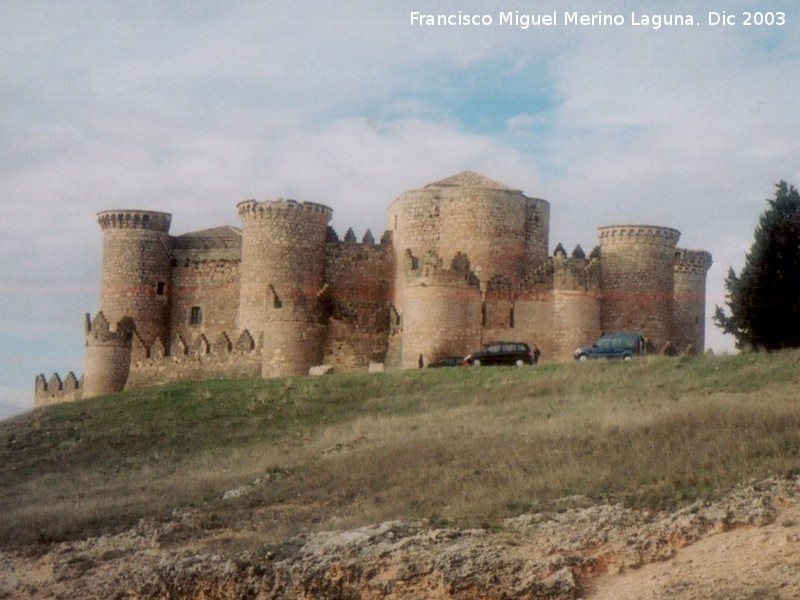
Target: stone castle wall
{"x":54,"y":390}
{"x":198,"y":361}
{"x":357,"y":300}
{"x":205,"y":284}
{"x":464,"y":262}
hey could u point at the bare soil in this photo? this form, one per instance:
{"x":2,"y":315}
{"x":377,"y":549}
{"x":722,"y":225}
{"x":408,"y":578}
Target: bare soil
{"x":747,"y":563}
{"x":745,"y":546}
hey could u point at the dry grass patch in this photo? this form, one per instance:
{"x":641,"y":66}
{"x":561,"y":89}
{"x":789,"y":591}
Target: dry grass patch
{"x":467,"y":446}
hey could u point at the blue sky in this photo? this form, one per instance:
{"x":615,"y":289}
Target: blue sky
{"x":191,"y":107}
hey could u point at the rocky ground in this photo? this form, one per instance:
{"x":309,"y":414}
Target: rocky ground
{"x":746,"y":546}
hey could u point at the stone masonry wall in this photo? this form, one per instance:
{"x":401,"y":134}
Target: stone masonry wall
{"x":205,"y":362}
{"x":54,"y":390}
{"x":359,"y":280}
{"x":206,"y":278}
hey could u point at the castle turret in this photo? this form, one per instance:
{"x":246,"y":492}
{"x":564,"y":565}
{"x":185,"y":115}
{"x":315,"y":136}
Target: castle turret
{"x":137,"y":270}
{"x":107,"y":357}
{"x":637,"y":279}
{"x":282,"y":281}
{"x":442,"y":310}
{"x":576,"y":302}
{"x":689,"y":314}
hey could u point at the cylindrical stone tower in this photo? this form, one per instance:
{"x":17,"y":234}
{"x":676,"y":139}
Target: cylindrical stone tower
{"x":282,"y":276}
{"x":499,"y":229}
{"x":107,"y":357}
{"x":442,"y":315}
{"x":638,"y":280}
{"x":689,"y":316}
{"x":136,"y":270}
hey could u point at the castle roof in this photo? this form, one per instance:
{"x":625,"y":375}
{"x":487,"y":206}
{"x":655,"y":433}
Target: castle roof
{"x":470,"y":179}
{"x":224,"y":236}
{"x":226,"y":231}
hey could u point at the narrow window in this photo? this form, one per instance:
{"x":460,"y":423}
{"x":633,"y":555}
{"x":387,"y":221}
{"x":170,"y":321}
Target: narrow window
{"x":511,"y":318}
{"x":196,"y":316}
{"x":160,"y":288}
{"x":483,"y":313}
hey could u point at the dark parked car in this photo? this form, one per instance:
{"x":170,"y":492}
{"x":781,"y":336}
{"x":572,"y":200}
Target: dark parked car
{"x":504,"y":353}
{"x":449,"y":361}
{"x":623,"y":345}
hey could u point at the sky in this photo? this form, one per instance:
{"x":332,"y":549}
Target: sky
{"x":190,"y":107}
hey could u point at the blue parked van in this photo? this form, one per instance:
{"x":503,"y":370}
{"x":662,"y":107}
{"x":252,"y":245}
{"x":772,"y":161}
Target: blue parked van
{"x":622,"y":344}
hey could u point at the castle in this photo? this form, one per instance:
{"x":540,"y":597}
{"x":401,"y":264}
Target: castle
{"x":464,"y":261}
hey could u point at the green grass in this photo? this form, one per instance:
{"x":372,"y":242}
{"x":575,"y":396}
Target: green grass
{"x":463,"y":446}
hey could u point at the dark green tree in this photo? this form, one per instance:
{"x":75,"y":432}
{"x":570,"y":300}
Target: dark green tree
{"x":764,"y":299}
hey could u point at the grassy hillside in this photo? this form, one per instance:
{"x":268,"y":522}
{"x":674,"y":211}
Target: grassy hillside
{"x":467,"y":446}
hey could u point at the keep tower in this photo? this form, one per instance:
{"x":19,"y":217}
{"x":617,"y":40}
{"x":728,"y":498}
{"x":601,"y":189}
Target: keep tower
{"x":455,"y":240}
{"x":282,"y":289}
{"x":502,"y":231}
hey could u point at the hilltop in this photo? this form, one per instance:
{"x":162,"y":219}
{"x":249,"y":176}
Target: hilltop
{"x":448,"y":483}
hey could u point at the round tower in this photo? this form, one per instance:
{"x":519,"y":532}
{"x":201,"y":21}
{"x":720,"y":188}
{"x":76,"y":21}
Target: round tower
{"x":499,"y":229}
{"x":107,"y":358}
{"x":689,"y":315}
{"x":637,"y":280}
{"x":282,"y":278}
{"x":136,"y":270}
{"x":442,"y":311}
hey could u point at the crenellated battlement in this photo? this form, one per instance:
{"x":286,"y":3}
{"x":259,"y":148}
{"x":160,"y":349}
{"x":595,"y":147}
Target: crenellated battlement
{"x":282,"y":209}
{"x":575,"y":273}
{"x":223,"y":355}
{"x":350,"y":238}
{"x":431,"y":270}
{"x":692,"y":261}
{"x":99,"y":329}
{"x":615,"y":235}
{"x":55,"y":390}
{"x":134,"y":219}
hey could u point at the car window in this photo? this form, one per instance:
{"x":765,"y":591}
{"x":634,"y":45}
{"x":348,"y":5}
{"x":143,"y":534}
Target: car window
{"x":604,"y":343}
{"x":509,"y":347}
{"x":493,"y":349}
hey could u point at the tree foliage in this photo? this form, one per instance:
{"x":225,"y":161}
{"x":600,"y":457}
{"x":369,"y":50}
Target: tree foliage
{"x":764,"y":299}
